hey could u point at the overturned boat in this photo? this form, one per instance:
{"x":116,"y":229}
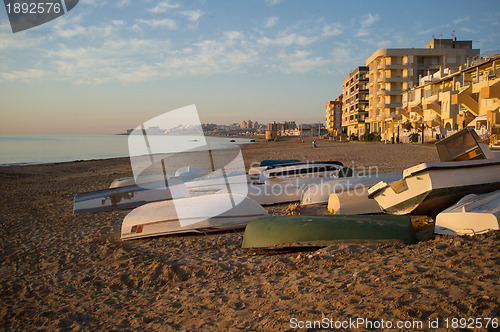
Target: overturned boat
{"x":319,"y":193}
{"x":284,"y":172}
{"x":473,"y":214}
{"x":468,"y":167}
{"x":318,"y":231}
{"x":429,"y":188}
{"x":202,"y":214}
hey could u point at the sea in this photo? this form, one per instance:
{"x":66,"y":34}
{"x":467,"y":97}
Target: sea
{"x":43,"y":149}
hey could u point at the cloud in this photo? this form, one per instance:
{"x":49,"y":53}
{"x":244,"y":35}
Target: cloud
{"x":122,"y":3}
{"x":299,"y":62}
{"x":163,"y":7}
{"x":27,"y":76}
{"x":369,"y":19}
{"x":328,"y":31}
{"x":271,"y":21}
{"x":273,"y":2}
{"x":460,"y":20}
{"x":193,"y":15}
{"x":156,"y":23}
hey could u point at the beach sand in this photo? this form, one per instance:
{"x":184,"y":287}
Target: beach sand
{"x":66,"y":272}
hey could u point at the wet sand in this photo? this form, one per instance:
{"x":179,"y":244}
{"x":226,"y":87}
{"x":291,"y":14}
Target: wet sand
{"x":66,"y":272}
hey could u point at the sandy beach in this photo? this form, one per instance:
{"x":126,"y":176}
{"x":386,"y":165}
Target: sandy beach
{"x":71,"y":273}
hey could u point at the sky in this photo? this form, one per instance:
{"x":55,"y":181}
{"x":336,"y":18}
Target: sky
{"x":107,"y":66}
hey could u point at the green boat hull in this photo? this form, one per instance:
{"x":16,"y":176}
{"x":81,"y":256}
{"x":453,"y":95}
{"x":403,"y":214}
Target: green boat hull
{"x":317,"y":231}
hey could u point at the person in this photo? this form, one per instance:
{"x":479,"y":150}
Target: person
{"x":397,"y":139}
{"x":314,"y":143}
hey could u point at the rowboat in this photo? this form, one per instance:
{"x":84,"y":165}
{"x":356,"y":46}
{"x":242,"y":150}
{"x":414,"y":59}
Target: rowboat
{"x":254,"y":172}
{"x":128,"y":197}
{"x":277,"y":173}
{"x":473,"y":214}
{"x":429,"y":188}
{"x":211,"y":213}
{"x":319,"y":193}
{"x":132,"y":196}
{"x":318,"y":231}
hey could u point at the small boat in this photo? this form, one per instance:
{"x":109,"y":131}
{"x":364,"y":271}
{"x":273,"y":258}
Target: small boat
{"x":319,"y":193}
{"x":128,"y":197}
{"x":194,"y":214}
{"x":188,"y":173}
{"x":473,"y":214}
{"x":273,"y":162}
{"x":318,"y":231}
{"x":467,"y":167}
{"x":429,"y":188}
{"x":277,"y":173}
{"x":132,"y":196}
{"x":254,"y":172}
{"x":274,"y":193}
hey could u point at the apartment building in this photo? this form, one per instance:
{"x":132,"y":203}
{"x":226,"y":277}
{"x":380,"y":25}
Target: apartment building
{"x":355,"y":102}
{"x":334,"y":116}
{"x":468,"y":97}
{"x":393,"y":71}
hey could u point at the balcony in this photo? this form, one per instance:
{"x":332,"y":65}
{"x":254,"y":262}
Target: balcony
{"x":396,"y":79}
{"x":390,"y":92}
{"x":383,"y":66}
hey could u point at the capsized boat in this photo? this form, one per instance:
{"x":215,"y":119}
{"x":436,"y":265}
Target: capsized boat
{"x":468,"y":167}
{"x":128,"y":197}
{"x":254,"y":172}
{"x":473,"y":214}
{"x":319,"y":193}
{"x":429,"y":188}
{"x":317,"y":231}
{"x":278,"y":173}
{"x":200,"y":214}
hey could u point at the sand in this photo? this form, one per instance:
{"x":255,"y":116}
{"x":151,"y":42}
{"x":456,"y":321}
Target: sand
{"x":66,"y":272}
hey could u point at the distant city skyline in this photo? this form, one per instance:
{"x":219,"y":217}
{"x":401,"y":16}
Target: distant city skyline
{"x":105,"y":67}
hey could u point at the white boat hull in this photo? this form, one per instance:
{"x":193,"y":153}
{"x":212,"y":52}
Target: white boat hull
{"x":348,"y":203}
{"x":319,"y":193}
{"x":429,"y":188}
{"x":161,"y":218}
{"x":473,"y":214}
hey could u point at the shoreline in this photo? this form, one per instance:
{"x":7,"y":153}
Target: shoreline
{"x":61,"y":271}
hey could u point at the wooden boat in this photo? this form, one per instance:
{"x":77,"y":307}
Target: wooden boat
{"x":317,"y":231}
{"x":473,"y":214}
{"x":277,"y":173}
{"x":199,"y":214}
{"x":319,"y":193}
{"x":429,"y":188}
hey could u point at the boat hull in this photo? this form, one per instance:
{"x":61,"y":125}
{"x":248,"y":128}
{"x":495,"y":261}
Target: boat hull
{"x":428,"y":189}
{"x":303,"y":231}
{"x":473,"y":214}
{"x":161,"y":218}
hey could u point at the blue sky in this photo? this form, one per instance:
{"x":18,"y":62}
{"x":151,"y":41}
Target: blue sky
{"x":107,"y":66}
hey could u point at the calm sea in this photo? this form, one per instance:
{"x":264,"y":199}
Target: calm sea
{"x":42,"y":149}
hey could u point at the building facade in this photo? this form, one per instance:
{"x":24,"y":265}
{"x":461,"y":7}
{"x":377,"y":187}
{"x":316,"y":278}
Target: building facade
{"x":468,"y":97}
{"x":334,"y":116}
{"x":355,"y":102}
{"x":393,"y":71}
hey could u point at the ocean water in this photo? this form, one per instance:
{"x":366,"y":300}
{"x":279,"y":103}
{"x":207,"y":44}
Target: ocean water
{"x":42,"y":149}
